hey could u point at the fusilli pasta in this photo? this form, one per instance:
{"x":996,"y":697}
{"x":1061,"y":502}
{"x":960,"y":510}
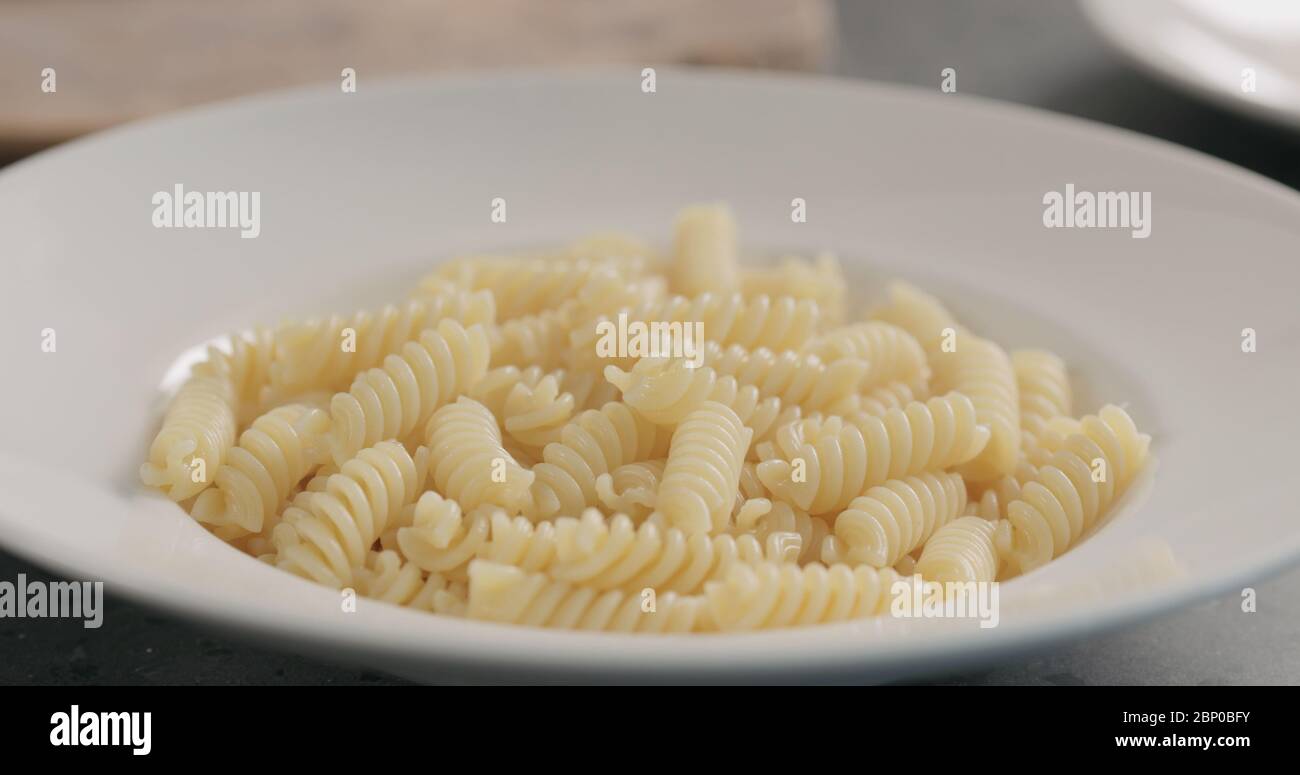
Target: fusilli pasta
{"x":769,"y":595}
{"x":822,"y":464}
{"x":503,"y":593}
{"x":390,"y":402}
{"x":892,"y":519}
{"x":703,"y":469}
{"x":536,"y":439}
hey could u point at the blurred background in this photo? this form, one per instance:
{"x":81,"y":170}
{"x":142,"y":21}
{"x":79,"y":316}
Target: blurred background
{"x":1219,"y":76}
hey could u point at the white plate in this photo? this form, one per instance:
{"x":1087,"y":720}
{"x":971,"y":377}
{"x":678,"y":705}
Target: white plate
{"x":1205,"y":45}
{"x":361,"y":191}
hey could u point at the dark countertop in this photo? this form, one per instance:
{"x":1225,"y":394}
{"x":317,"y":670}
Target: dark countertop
{"x":1036,"y":52}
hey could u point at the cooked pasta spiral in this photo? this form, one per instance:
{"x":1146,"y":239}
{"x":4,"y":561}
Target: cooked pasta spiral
{"x":1044,"y":392}
{"x":614,"y":553}
{"x":774,"y":322}
{"x":795,"y":378}
{"x":595,"y":442}
{"x":1075,"y":487}
{"x":541,"y":339}
{"x":391,"y":402}
{"x":703,"y":469}
{"x":324,"y":535}
{"x":960,"y":551}
{"x":469,"y":463}
{"x":665,"y":390}
{"x":441,"y":538}
{"x":534,"y":415}
{"x":321,"y":353}
{"x":705,"y":256}
{"x":496,"y":385}
{"x":917,"y":312}
{"x":980,"y":369}
{"x":631,"y":489}
{"x":768,"y":595}
{"x":991,"y":503}
{"x":385,"y":578}
{"x":521,"y":286}
{"x":882,"y":398}
{"x":503,"y":593}
{"x":199,"y":426}
{"x":248,"y":367}
{"x":819,"y":281}
{"x":784,"y":520}
{"x":839,"y":459}
{"x":892,"y":354}
{"x":892,"y":519}
{"x":272,"y":456}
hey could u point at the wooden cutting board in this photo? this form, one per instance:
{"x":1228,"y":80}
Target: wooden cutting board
{"x":116,"y":60}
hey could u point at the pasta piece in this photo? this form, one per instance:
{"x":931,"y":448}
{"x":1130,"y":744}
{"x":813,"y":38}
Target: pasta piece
{"x":325,"y":535}
{"x":819,"y":281}
{"x":821,"y":464}
{"x":496,"y":385}
{"x":703,"y":469}
{"x":898,"y":516}
{"x":1075,"y":487}
{"x":391,"y":402}
{"x":327,"y":354}
{"x":631,"y":489}
{"x":794,"y":378}
{"x":774,"y":322}
{"x":469,"y":463}
{"x":197,"y":434}
{"x":666,"y":390}
{"x":272,"y":457}
{"x":705,"y":255}
{"x":992,"y":502}
{"x":614,"y":553}
{"x":624,"y":253}
{"x":386,"y":578}
{"x":960,"y":551}
{"x":595,"y":442}
{"x":502,"y":593}
{"x":980,"y":369}
{"x":784,"y":520}
{"x":769,"y":595}
{"x":443,"y":540}
{"x":920,"y":314}
{"x":540,"y":340}
{"x":879,"y":400}
{"x":893,"y":354}
{"x":248,"y":367}
{"x":516,"y":541}
{"x":521,"y":287}
{"x":1044,"y":389}
{"x":534,"y":415}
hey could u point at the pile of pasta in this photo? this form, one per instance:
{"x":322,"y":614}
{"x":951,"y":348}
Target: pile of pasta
{"x":471,"y":451}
